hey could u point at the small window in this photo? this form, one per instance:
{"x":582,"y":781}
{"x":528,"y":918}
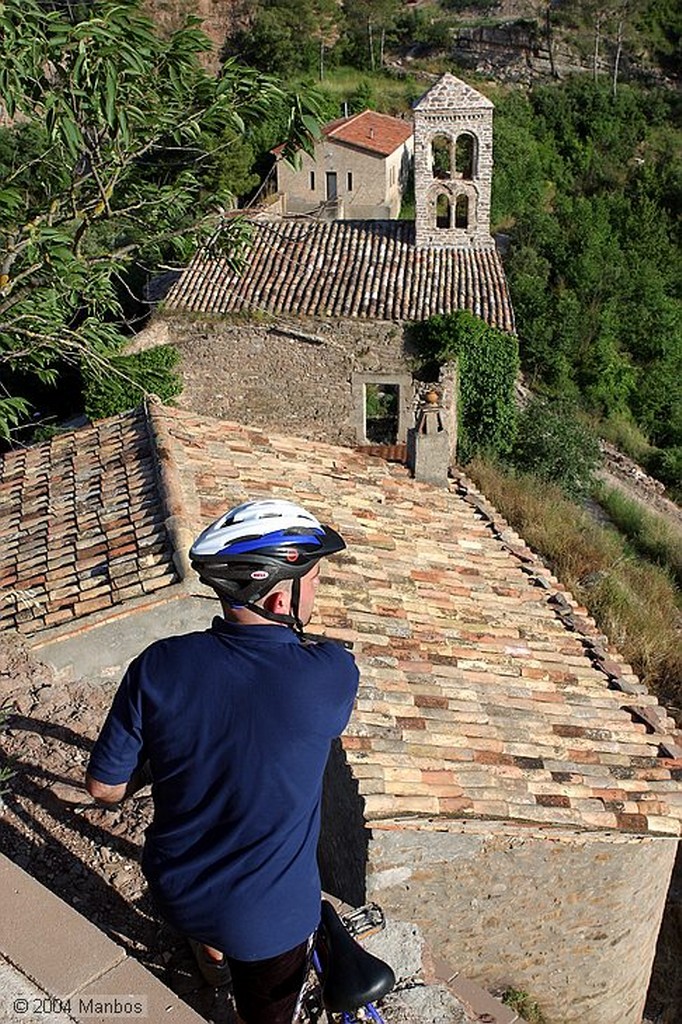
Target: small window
{"x":465,"y":156}
{"x":462,"y":212}
{"x":391,"y":177}
{"x":312,"y":181}
{"x":442,"y":211}
{"x":350,"y":181}
{"x":441,"y":157}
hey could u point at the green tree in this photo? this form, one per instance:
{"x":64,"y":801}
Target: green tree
{"x":287,"y":36}
{"x":102,"y":173}
{"x":367,"y":25}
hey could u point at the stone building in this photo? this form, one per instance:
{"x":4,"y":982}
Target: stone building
{"x":357,"y":171}
{"x":506,"y":783}
{"x":319,"y":312}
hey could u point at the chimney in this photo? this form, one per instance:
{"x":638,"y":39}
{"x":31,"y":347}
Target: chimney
{"x":428,"y":444}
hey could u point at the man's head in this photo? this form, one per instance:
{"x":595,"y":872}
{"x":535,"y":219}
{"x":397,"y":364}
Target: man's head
{"x":263,"y":556}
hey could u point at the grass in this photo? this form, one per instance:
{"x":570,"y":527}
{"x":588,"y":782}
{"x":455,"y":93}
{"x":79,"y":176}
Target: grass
{"x":649,"y":534}
{"x":635,"y":603}
{"x":388,"y":94}
{"x":626,"y":436}
{"x":6,"y":771}
{"x":524,"y":1005}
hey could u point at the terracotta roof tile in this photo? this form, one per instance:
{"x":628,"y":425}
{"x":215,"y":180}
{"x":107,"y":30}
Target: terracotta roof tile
{"x":476,"y":701}
{"x":377,"y":133}
{"x":364,"y":269}
{"x":82,"y":514}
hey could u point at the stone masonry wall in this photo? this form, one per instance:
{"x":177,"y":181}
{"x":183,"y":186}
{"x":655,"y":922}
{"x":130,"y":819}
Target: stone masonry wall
{"x":570,"y":919}
{"x":291,"y":376}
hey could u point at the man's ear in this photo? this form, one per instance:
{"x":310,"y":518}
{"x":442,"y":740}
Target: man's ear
{"x":278,"y":601}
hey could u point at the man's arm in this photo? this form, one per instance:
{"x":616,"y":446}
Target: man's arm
{"x":103,"y":793}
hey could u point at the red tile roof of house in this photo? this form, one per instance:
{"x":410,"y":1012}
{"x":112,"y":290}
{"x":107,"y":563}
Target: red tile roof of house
{"x":486,"y":692}
{"x":377,"y":133}
{"x":366,"y":269}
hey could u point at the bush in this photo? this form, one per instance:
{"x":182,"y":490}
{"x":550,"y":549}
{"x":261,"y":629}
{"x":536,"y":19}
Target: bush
{"x":553,"y":445}
{"x":487,"y":361}
{"x":133,"y":377}
{"x":666,"y":466}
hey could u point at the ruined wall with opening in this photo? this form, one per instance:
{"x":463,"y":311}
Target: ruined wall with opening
{"x":293,"y":376}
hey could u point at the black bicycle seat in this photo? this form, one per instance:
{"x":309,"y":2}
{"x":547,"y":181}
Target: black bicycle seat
{"x":351,"y":976}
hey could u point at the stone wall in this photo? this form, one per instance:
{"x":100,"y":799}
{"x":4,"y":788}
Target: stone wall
{"x":570,"y":918}
{"x":292,"y":376}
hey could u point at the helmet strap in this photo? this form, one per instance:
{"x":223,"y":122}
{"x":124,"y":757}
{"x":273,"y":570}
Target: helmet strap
{"x":292,"y":619}
{"x":282,"y":620}
{"x":295,"y":601}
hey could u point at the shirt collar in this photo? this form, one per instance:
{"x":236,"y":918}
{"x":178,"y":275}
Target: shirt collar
{"x":237,"y":630}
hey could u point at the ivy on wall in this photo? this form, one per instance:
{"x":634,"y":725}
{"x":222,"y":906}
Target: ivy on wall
{"x":488,"y":362}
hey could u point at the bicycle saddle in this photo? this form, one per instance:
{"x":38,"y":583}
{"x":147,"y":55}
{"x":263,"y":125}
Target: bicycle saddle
{"x":351,"y":976}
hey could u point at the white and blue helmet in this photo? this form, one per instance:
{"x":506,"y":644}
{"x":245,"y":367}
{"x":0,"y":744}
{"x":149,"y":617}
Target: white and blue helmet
{"x":247,"y":551}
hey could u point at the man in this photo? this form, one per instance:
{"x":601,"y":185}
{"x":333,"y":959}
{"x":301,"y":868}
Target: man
{"x":236,"y":724}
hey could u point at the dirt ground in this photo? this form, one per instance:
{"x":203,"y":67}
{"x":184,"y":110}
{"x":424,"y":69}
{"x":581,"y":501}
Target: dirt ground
{"x":87,"y":855}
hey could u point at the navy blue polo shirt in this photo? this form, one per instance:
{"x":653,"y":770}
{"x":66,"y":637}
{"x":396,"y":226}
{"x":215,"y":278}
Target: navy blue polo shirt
{"x":237,"y":723}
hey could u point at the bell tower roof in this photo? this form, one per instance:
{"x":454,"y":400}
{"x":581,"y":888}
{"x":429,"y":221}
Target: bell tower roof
{"x":449,"y":93}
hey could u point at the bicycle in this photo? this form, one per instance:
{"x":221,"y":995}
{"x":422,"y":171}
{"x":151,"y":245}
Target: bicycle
{"x":345,"y":980}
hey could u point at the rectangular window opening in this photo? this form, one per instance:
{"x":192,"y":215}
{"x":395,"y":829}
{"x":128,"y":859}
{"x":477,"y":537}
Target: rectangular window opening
{"x":381,"y":413}
{"x":312,"y":181}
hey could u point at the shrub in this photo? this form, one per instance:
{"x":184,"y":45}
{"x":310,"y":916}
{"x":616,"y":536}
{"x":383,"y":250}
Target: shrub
{"x":555,"y":446}
{"x":133,"y":377}
{"x":666,"y":465}
{"x":525,"y":1005}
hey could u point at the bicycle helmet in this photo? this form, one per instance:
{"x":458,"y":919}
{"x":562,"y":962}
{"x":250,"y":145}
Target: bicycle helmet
{"x":247,"y":551}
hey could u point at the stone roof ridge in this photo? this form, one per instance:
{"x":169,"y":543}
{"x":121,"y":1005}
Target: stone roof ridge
{"x":180,"y":510}
{"x":450,"y":92}
{"x":576,"y":619}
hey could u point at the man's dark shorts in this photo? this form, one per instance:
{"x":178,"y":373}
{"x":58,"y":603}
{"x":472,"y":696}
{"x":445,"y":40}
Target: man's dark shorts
{"x":266,"y":991}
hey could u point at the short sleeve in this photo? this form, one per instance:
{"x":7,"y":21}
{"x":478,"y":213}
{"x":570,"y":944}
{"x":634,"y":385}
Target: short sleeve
{"x":337,"y":686}
{"x":118,"y":748}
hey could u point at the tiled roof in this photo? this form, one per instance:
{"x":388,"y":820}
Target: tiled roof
{"x":367,"y":269}
{"x":81,"y":525}
{"x":449,"y":93}
{"x":485,"y":691}
{"x":377,"y":133}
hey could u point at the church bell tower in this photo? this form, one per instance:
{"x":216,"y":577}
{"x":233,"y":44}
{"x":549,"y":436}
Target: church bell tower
{"x":453,"y":165}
